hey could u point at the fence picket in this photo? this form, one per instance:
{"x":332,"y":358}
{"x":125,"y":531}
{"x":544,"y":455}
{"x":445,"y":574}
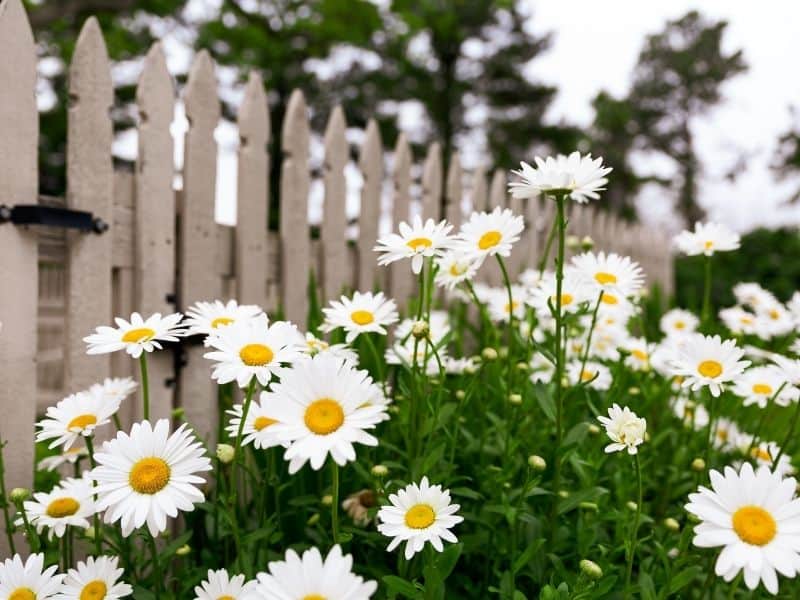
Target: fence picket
{"x":497,"y":198}
{"x":400,"y":281}
{"x":19,"y":122}
{"x":454,"y":192}
{"x":155,"y":215}
{"x":479,"y":196}
{"x":432,"y":183}
{"x":252,"y":195}
{"x":295,"y":245}
{"x":370,"y":162}
{"x":333,"y":249}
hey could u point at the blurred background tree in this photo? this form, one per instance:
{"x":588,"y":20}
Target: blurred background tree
{"x":787,"y":155}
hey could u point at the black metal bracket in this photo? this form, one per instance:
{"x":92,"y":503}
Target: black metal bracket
{"x":51,"y":216}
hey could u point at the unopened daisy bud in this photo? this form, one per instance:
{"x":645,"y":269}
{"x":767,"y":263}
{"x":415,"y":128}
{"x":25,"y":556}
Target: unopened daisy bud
{"x":399,"y":397}
{"x":631,"y":505}
{"x":460,"y":394}
{"x":644,"y":293}
{"x":587,"y":243}
{"x":19,"y":495}
{"x":699,"y":465}
{"x":183,"y":550}
{"x":393,"y":409}
{"x":503,"y":352}
{"x":573,"y":242}
{"x":523,"y":366}
{"x":591,"y":569}
{"x":313,"y":519}
{"x":672,"y":524}
{"x":537,"y":463}
{"x":225,"y":453}
{"x":420,"y":330}
{"x":673,"y":553}
{"x":515,"y":399}
{"x":593,"y":429}
{"x":178,"y":413}
{"x":634,"y":391}
{"x":379,"y":471}
{"x":563,"y":494}
{"x":90,"y":533}
{"x":589,"y":506}
{"x":327,"y":500}
{"x":489,"y":354}
{"x":471,"y":369}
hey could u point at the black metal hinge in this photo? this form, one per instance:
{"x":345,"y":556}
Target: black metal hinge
{"x":51,"y":216}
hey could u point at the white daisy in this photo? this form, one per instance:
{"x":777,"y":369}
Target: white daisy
{"x":489,"y":234}
{"x":754,"y":517}
{"x":252,"y":348}
{"x":459,"y":366}
{"x":204,"y":318}
{"x":311,"y":577}
{"x":70,"y":503}
{"x":418,"y":514}
{"x":363,"y":313}
{"x":612,"y":273}
{"x":708,"y":361}
{"x":221,"y":586}
{"x":68,"y":457}
{"x":135,"y":336}
{"x":542,"y":370}
{"x":691,"y":413}
{"x":707,"y":238}
{"x":581,"y":177}
{"x":500,"y":309}
{"x":773,"y":321}
{"x":726,"y":435}
{"x":678,"y":322}
{"x":753,"y":295}
{"x":114,"y":389}
{"x":739,"y":321}
{"x":765,"y":453}
{"x":96,"y":579}
{"x":639,"y":350}
{"x":438,"y":327}
{"x":454,"y":268}
{"x":758,"y":384}
{"x":75,"y":416}
{"x":789,"y":367}
{"x":257,"y":426}
{"x":625,"y":429}
{"x":28,"y":580}
{"x":314,"y":345}
{"x":530,"y":278}
{"x":149,"y":475}
{"x":574,"y":293}
{"x":323,"y":406}
{"x":416,"y":241}
{"x":794,"y":307}
{"x":404,"y":354}
{"x":594,"y":374}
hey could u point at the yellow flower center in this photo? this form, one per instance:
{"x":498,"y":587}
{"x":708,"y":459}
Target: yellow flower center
{"x":221,"y":321}
{"x":457,"y":271}
{"x":489,"y":239}
{"x":62,"y":507}
{"x":680,"y":325}
{"x":82,"y":422}
{"x":774,"y":315}
{"x":708,"y":245}
{"x":722,"y":435}
{"x":314,"y":597}
{"x":587,"y":375}
{"x":149,"y":475}
{"x":140,"y":334}
{"x":762,"y":388}
{"x":420,"y":516}
{"x":22,"y":594}
{"x":511,"y":307}
{"x":754,"y":525}
{"x":603,"y":278}
{"x":256,"y":355}
{"x":746,"y":320}
{"x":362,"y":317}
{"x":419,"y":243}
{"x":641,"y":355}
{"x":566,"y":299}
{"x":94,"y":590}
{"x":324,"y":416}
{"x":761,"y":454}
{"x":262,"y":423}
{"x":226,"y":598}
{"x":709,"y":368}
{"x":610,"y":299}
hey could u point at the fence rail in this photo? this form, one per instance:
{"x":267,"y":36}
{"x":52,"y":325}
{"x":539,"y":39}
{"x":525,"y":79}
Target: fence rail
{"x":163,"y":250}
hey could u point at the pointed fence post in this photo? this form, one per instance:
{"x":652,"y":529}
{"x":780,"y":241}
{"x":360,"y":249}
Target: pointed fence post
{"x":370,"y":163}
{"x":432,"y":183}
{"x":497,"y":198}
{"x":454,"y":192}
{"x":400,"y":276}
{"x":333,"y":231}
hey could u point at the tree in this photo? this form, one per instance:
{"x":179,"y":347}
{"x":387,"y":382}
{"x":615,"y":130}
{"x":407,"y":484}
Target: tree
{"x":787,"y":155}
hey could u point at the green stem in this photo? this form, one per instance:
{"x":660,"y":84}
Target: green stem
{"x":547,"y":246}
{"x":98,"y":539}
{"x":4,"y":497}
{"x":156,"y":565}
{"x":238,"y":443}
{"x":789,"y":433}
{"x":30,"y":532}
{"x":589,"y":336}
{"x":377,"y":359}
{"x":712,"y":430}
{"x":145,"y":385}
{"x":335,"y":502}
{"x":635,"y":529}
{"x":706,"y":313}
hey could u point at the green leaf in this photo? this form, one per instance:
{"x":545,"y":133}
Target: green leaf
{"x":683,"y":578}
{"x":398,"y":585}
{"x":524,"y":558}
{"x":545,"y":402}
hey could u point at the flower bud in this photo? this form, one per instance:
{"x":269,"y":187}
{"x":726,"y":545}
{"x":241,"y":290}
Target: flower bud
{"x":699,"y":465}
{"x":587,"y":243}
{"x":591,"y":569}
{"x":225,"y":453}
{"x":460,"y":394}
{"x":634,"y":391}
{"x":673,"y":553}
{"x":420,"y":330}
{"x":593,"y":429}
{"x":178,"y":413}
{"x":489,"y":354}
{"x":573,"y":242}
{"x":313,"y":519}
{"x":515,"y":399}
{"x":523,"y":366}
{"x":327,"y":500}
{"x":183,"y":550}
{"x":589,"y":506}
{"x":380,"y":471}
{"x":90,"y":533}
{"x":631,"y":505}
{"x":672,"y":524}
{"x":19,"y":495}
{"x":537,"y":463}
{"x":563,"y":494}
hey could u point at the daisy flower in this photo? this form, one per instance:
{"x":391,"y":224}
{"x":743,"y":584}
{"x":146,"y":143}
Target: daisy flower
{"x":314,"y":345}
{"x":221,"y":586}
{"x":68,"y":457}
{"x":625,"y":429}
{"x":252,"y":348}
{"x":753,"y":515}
{"x":135,"y":336}
{"x":612,"y":273}
{"x":759,"y":384}
{"x":28,"y":580}
{"x":96,"y":579}
{"x":499,"y":307}
{"x":403,"y":354}
{"x":574,"y":292}
{"x":794,"y":307}
{"x":773,"y":321}
{"x":739,"y":321}
{"x":707,"y":238}
{"x":322,"y":406}
{"x":789,"y":367}
{"x":692,"y":414}
{"x":753,"y":295}
{"x":311,"y":577}
{"x":204,"y":318}
{"x":438,"y":327}
{"x":678,"y":322}
{"x":639,"y":350}
{"x":416,"y":241}
{"x":114,"y":389}
{"x":708,"y":361}
{"x":530,"y":278}
{"x":418,"y":514}
{"x":257,"y":426}
{"x":489,"y":234}
{"x":765,"y":453}
{"x":149,"y":475}
{"x":542,"y":370}
{"x":459,"y":366}
{"x":454,"y":268}
{"x":70,"y":503}
{"x":75,"y":416}
{"x":363,"y":313}
{"x":594,"y":374}
{"x":580,"y":177}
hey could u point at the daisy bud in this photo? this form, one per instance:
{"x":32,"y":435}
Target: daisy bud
{"x":593,"y":429}
{"x":573,"y":242}
{"x":591,"y":569}
{"x":672,"y":524}
{"x":394,"y":409}
{"x":380,"y":471}
{"x":537,"y":463}
{"x":522,"y":366}
{"x":503,"y":352}
{"x":631,"y":505}
{"x":673,"y":553}
{"x":634,"y":391}
{"x":470,"y":369}
{"x":460,"y":394}
{"x":183,"y":550}
{"x":644,"y":293}
{"x":589,"y":506}
{"x":563,"y":494}
{"x":89,"y":533}
{"x":178,"y":413}
{"x":699,"y":465}
{"x":313,"y":519}
{"x":489,"y":354}
{"x":587,"y":243}
{"x":327,"y":500}
{"x":19,"y":495}
{"x":420,"y":330}
{"x":225,"y":453}
{"x":515,"y":399}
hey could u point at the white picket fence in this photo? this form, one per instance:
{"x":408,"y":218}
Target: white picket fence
{"x":163,"y":250}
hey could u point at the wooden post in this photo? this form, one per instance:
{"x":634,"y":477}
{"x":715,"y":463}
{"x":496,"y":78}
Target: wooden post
{"x":333,"y":249}
{"x":400,"y":281}
{"x":370,"y":163}
{"x":19,"y":124}
{"x":90,"y":187}
{"x":199,"y":279}
{"x":432,"y":183}
{"x":155,"y":216}
{"x":295,"y":245}
{"x":480,"y":191}
{"x":453,"y":193}
{"x":252,"y":195}
{"x":497,"y":198}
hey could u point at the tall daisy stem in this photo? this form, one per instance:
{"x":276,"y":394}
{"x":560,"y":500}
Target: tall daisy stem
{"x":585,"y":356}
{"x":4,"y":497}
{"x":706,"y":313}
{"x":789,"y":433}
{"x":547,"y":246}
{"x":635,"y":528}
{"x":145,"y":385}
{"x":237,"y":449}
{"x":98,"y":538}
{"x":151,"y":541}
{"x":335,"y":502}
